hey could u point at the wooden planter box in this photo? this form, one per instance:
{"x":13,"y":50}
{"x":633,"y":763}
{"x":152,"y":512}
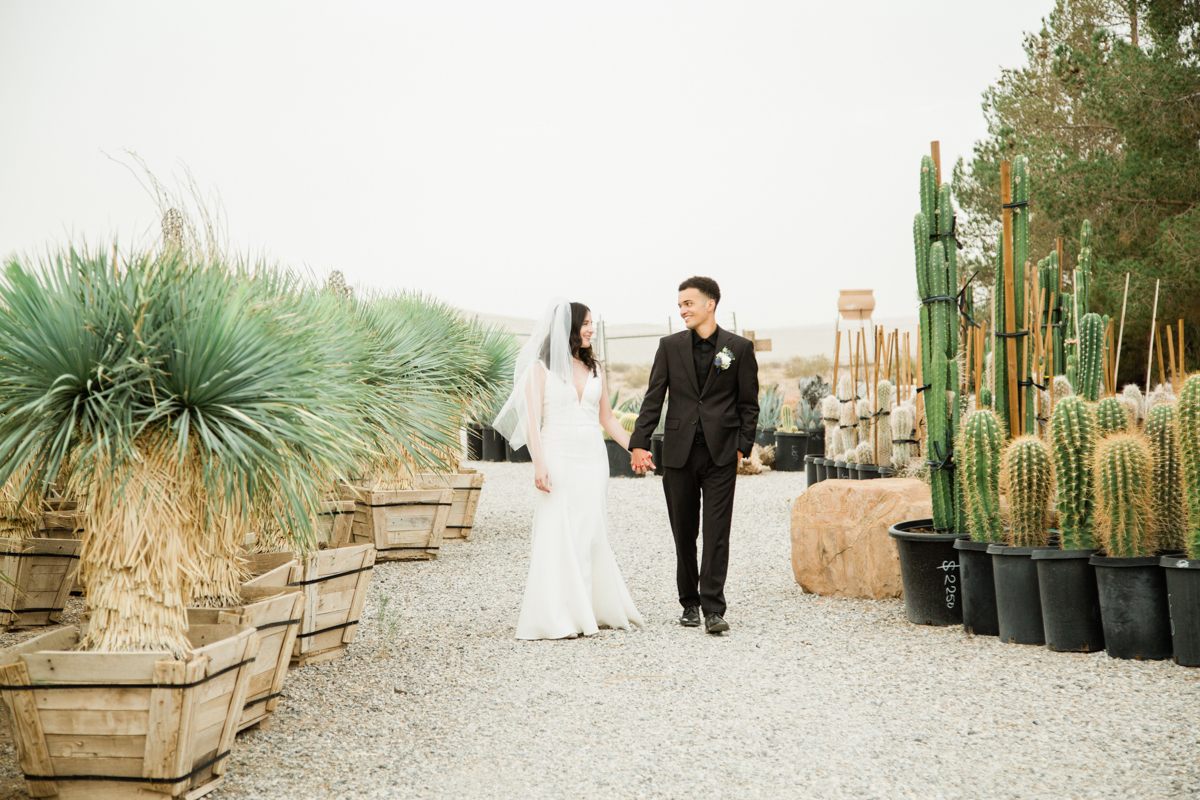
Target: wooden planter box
{"x":270,"y":569}
{"x":275,"y":614}
{"x":38,"y":575}
{"x":95,"y":726}
{"x":467,"y":485}
{"x":404,"y":525}
{"x":334,"y":523}
{"x":334,"y":583}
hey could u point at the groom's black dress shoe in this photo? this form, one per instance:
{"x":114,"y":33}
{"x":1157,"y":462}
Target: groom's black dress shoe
{"x":690,"y":618}
{"x":715,"y":623}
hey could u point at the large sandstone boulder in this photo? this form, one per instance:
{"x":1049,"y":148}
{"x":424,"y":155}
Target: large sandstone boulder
{"x":840,"y":542}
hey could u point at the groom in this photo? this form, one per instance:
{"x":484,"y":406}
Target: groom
{"x":711,"y":376}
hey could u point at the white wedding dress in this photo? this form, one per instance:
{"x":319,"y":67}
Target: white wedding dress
{"x":574,"y":585}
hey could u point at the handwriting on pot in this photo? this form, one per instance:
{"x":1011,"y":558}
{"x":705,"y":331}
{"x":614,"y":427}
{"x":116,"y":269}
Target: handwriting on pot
{"x":950,"y":582}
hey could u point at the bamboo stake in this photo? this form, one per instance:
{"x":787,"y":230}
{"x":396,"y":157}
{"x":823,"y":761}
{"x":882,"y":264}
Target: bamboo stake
{"x":1010,"y":320}
{"x":1035,"y":372}
{"x":1182,"y":371}
{"x":875,"y":419}
{"x":837,"y":357}
{"x":1109,"y":378}
{"x":1121,"y":334}
{"x":1162,"y":373}
{"x":1153,"y":325}
{"x":1171,"y":355}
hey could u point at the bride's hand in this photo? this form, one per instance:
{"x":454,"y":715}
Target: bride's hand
{"x":541,"y":479}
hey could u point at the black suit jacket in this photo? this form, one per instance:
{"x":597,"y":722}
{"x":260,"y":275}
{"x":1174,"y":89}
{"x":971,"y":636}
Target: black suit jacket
{"x":725,"y":407}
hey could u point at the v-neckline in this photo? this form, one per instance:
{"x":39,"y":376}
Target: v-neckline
{"x":580,"y":394}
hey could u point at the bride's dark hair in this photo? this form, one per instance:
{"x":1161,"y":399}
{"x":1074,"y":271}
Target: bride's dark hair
{"x":579,"y":314}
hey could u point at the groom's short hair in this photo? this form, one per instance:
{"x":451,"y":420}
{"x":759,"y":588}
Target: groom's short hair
{"x":706,"y":286}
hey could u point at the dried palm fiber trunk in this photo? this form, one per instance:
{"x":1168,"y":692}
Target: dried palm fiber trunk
{"x":222,"y":532}
{"x":19,"y":511}
{"x":135,"y":560}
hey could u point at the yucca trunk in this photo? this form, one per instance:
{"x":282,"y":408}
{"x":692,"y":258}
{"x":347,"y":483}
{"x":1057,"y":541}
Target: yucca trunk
{"x":19,"y":513}
{"x":223,"y":569}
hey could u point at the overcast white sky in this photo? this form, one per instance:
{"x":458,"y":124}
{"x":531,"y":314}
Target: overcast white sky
{"x":498,"y":153}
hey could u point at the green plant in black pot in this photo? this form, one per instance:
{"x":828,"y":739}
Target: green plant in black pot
{"x":1124,"y":499}
{"x":1073,"y":441}
{"x":1170,"y":513}
{"x":1027,"y":476}
{"x":979,"y":471}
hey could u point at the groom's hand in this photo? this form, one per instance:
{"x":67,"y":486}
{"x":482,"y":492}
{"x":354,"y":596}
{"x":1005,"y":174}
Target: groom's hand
{"x":640,"y":460}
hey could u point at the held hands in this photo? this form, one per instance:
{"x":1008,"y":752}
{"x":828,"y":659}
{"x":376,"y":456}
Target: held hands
{"x":640,"y":460}
{"x":541,"y":478}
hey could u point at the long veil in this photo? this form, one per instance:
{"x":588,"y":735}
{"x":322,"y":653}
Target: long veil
{"x":548,"y":349}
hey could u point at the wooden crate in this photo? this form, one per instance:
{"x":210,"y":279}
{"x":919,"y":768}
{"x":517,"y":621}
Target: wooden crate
{"x":101,"y":726}
{"x":467,"y":485}
{"x":334,"y":523}
{"x":36,"y":577}
{"x":403,"y":525}
{"x":334,"y":583}
{"x":270,"y":569}
{"x":275,"y":614}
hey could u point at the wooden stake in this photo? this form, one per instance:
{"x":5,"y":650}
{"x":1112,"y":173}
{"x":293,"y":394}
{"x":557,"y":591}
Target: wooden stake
{"x":1182,"y":371}
{"x":935,"y":150}
{"x":1060,"y":251}
{"x":837,"y":357}
{"x":1121,"y":333}
{"x":1171,"y":355}
{"x":1010,"y":296}
{"x":1109,"y":378}
{"x":1162,"y":373}
{"x":1153,"y":320}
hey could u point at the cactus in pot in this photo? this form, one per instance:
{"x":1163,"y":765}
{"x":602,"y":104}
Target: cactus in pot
{"x":865,"y":453}
{"x":979,"y":467}
{"x":829,"y":417}
{"x":863,"y":408}
{"x":1170,"y":513}
{"x":787,"y":422}
{"x":1073,"y":443}
{"x":904,"y":433}
{"x":847,"y":425}
{"x":1090,"y":368}
{"x":1188,"y":431}
{"x":1027,"y":476}
{"x":1135,"y":403}
{"x":883,"y":427}
{"x":1123,"y":471}
{"x":1111,"y":417}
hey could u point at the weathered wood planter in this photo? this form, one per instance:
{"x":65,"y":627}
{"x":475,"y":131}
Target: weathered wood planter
{"x":270,"y":569}
{"x":334,"y":583}
{"x":403,"y":525}
{"x":467,"y":485}
{"x":275,"y":614}
{"x":38,"y":575}
{"x":335,"y":522}
{"x":94,"y":726}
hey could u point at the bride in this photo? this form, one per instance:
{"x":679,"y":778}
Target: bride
{"x":558,"y":406}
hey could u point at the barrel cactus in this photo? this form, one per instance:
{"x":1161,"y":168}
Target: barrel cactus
{"x":1073,"y":443}
{"x":979,"y":473}
{"x":1123,"y":472}
{"x":1090,"y":371}
{"x":628,"y":422}
{"x":1170,"y":515}
{"x":1111,"y":417}
{"x":1027,"y":477}
{"x":865,"y":453}
{"x":1188,"y":431}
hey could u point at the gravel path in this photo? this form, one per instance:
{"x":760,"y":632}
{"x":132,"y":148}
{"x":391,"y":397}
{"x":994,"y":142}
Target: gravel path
{"x":806,"y":697}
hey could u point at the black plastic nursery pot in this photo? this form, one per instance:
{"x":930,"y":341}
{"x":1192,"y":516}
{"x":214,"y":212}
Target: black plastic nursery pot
{"x":1183,"y":597}
{"x":929,"y":572}
{"x":474,"y":442}
{"x":656,"y":452}
{"x":764,"y":437}
{"x":789,"y":451}
{"x":519,"y":456}
{"x":810,"y":470}
{"x":619,"y":462}
{"x":867,"y":472}
{"x":886,"y":472}
{"x":822,"y":468}
{"x":843,"y":470}
{"x":816,"y":443}
{"x":1018,"y":597}
{"x":977,"y":586}
{"x":1070,"y":601}
{"x":1134,"y":607}
{"x":494,"y":446}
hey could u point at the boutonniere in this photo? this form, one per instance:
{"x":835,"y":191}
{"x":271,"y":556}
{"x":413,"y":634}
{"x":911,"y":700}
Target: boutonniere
{"x":723,"y":359}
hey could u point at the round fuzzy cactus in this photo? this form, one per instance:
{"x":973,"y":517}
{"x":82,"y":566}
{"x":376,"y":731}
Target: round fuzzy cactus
{"x":1111,"y":417}
{"x":1188,"y":432}
{"x":883,"y":425}
{"x":1123,"y":471}
{"x":1135,"y":403}
{"x":1027,"y":477}
{"x":1170,"y":513}
{"x":829,"y":418}
{"x":864,"y":453}
{"x":1073,"y":444}
{"x":978,"y":462}
{"x":1062,"y":388}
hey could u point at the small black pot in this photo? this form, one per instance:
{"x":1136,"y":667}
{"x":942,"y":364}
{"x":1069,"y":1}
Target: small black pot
{"x":1134,"y":607}
{"x":494,"y":446}
{"x":1018,"y":598}
{"x":867,"y":472}
{"x":843,"y":470}
{"x":474,"y":442}
{"x":810,"y":470}
{"x":816,"y":443}
{"x":764,"y":437}
{"x":619,"y":464}
{"x":1070,"y":601}
{"x":519,"y":456}
{"x":1183,"y":596}
{"x":656,"y":451}
{"x":929,"y":572}
{"x":789,"y":451}
{"x":822,"y":471}
{"x":886,"y":472}
{"x":978,"y":588}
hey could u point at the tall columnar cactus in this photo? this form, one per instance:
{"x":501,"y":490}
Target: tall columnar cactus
{"x":883,"y":427}
{"x":1020,"y":194}
{"x":1124,"y":502}
{"x":979,"y":474}
{"x":904,"y":432}
{"x":1027,"y":477}
{"x":787,"y":422}
{"x":1111,"y":417}
{"x":863,"y":409}
{"x":1083,"y":269}
{"x":829,"y":418}
{"x":1188,"y":431}
{"x":938,"y":407}
{"x":1090,"y":369}
{"x":999,"y":364}
{"x":1073,"y":443}
{"x":1170,"y":514}
{"x":847,"y":425}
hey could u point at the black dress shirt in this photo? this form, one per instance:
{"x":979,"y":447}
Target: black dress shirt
{"x":704,"y":351}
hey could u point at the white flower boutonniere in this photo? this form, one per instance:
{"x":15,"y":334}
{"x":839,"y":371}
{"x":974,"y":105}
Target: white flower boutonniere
{"x":723,"y":360}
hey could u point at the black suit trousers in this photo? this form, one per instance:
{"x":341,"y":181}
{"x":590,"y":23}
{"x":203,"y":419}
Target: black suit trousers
{"x":685,"y":487}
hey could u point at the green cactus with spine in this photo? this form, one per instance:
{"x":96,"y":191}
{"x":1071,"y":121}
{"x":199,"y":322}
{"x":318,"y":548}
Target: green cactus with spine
{"x":937,"y":412}
{"x":1187,"y":429}
{"x":1111,"y":417}
{"x":1083,"y":268}
{"x":999,"y":366}
{"x":1020,"y":221}
{"x":1122,"y":475}
{"x":979,"y":473}
{"x":1027,"y":476}
{"x":787,"y":423}
{"x":1090,"y":369}
{"x":1170,"y":511}
{"x":1073,"y":444}
{"x":628,"y":422}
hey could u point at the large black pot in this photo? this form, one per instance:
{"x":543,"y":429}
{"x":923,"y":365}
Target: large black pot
{"x":619,"y":462}
{"x":789,"y":451}
{"x":1134,"y":607}
{"x":474,"y":442}
{"x":867,"y":472}
{"x":1070,"y":601}
{"x":494,"y":446}
{"x":843,"y":470}
{"x":978,"y":588}
{"x":656,"y":451}
{"x":764,"y":437}
{"x":521,"y":456}
{"x":1183,"y":595}
{"x":810,"y":471}
{"x":1018,"y":598}
{"x":816,"y":443}
{"x":929,"y":572}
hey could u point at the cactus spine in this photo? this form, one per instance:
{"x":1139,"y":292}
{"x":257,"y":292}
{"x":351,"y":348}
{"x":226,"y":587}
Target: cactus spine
{"x":1089,"y":370}
{"x":787,"y":423}
{"x":1170,"y":516}
{"x":979,"y":474}
{"x":1028,"y":478}
{"x":1111,"y":417}
{"x":1188,"y":432}
{"x":1135,"y":402}
{"x":1073,"y":442}
{"x":1124,"y":509}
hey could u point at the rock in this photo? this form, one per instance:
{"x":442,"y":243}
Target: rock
{"x":840,"y":542}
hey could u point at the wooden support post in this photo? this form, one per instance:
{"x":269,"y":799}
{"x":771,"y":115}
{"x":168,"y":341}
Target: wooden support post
{"x":1121,"y":332}
{"x":1171,"y":356}
{"x":1182,"y":370}
{"x":1153,"y":320}
{"x":1035,"y":371}
{"x":837,"y":356}
{"x":1010,"y":297}
{"x":1162,"y":373}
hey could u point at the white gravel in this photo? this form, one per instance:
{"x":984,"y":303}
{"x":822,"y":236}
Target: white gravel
{"x":806,"y":697}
